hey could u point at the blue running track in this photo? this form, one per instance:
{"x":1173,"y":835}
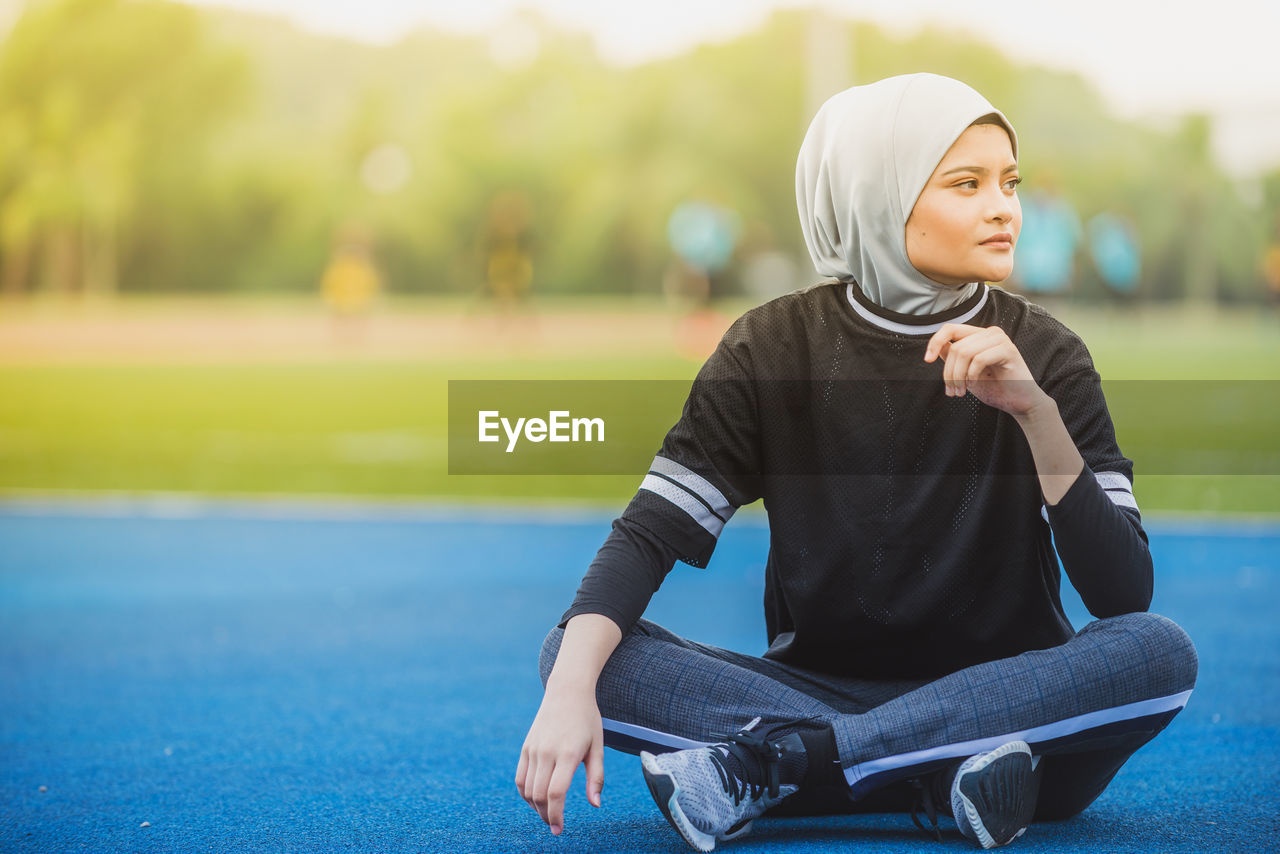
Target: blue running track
{"x":269,"y":677}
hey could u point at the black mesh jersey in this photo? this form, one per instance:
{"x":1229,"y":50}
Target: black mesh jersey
{"x":908,"y":533}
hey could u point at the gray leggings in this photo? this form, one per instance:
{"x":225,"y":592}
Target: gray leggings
{"x":1084,"y":707}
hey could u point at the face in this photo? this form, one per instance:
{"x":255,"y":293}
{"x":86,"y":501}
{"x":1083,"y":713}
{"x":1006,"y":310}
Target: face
{"x":969,"y":199}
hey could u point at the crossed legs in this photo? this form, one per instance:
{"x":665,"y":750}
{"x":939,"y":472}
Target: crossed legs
{"x":1084,"y":707}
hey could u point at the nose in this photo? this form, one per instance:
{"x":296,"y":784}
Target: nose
{"x":1000,"y":207}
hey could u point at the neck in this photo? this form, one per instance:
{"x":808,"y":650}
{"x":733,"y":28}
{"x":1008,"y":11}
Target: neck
{"x":919,"y":301}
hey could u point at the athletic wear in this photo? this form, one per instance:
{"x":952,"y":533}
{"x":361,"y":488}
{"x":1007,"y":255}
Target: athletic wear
{"x":868,"y":153}
{"x":1084,"y":707}
{"x":909,"y":536}
{"x":715,"y":792}
{"x":912,"y":586}
{"x":993,"y":796}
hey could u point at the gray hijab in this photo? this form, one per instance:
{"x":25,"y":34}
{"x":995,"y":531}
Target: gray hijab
{"x":868,"y":153}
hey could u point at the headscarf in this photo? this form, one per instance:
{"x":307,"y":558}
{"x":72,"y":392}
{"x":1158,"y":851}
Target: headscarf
{"x":868,"y":154}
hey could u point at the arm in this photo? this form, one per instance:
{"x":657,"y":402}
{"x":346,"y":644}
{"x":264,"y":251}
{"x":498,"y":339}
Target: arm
{"x":702,"y":473}
{"x":1101,"y":543}
{"x":626,"y":572}
{"x":1058,"y":461}
{"x":567,"y":729}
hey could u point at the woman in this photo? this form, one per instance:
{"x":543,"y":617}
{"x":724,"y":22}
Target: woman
{"x":916,"y":436}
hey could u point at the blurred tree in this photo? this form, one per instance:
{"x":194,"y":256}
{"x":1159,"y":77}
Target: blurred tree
{"x":131,"y":151}
{"x":104,"y":104}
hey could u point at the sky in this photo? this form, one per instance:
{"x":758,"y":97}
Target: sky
{"x":1149,"y":58}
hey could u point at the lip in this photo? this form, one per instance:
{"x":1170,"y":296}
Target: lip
{"x":1003,"y":240}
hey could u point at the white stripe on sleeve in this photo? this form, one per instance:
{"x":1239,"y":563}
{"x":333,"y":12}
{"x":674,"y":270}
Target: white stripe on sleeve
{"x":695,"y":483}
{"x":1123,"y":499}
{"x":1116,"y":487}
{"x":1114,"y":480}
{"x":686,"y":502}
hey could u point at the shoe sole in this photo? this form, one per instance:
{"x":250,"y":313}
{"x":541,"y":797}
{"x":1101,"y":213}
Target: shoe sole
{"x":1002,"y":778}
{"x":665,"y":793}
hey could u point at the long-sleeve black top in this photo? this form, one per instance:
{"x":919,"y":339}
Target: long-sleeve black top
{"x":908,"y":533}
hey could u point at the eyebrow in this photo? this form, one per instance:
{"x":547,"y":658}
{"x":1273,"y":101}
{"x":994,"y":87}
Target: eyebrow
{"x":981,"y":170}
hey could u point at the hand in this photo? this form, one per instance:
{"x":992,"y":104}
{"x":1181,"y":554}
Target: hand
{"x":566,"y":731}
{"x":985,"y":362}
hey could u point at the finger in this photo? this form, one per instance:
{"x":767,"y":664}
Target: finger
{"x":944,"y":351}
{"x":595,"y":771}
{"x":560,"y":782}
{"x":522,"y":770}
{"x":530,"y":780}
{"x":540,"y":784}
{"x":957,"y":366}
{"x":987,"y":360}
{"x":948,"y":333}
{"x":962,"y":355}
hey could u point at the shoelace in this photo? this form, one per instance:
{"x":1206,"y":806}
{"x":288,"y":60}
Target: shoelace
{"x":757,"y":756}
{"x":930,"y":791}
{"x":924,"y":796}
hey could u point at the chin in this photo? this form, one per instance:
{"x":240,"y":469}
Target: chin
{"x":998,"y":274}
{"x":958,"y":278}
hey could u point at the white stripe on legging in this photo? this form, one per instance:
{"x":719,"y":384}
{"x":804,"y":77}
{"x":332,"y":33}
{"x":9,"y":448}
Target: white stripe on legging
{"x":1057,"y":729}
{"x":653,"y":736}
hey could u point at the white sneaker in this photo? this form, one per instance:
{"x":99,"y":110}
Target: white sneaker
{"x":993,"y":797}
{"x":703,"y":800}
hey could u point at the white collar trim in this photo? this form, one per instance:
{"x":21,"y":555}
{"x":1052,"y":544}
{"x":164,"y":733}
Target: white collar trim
{"x":910,"y":328}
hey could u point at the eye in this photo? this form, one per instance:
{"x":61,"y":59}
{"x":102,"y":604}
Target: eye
{"x":970,"y":183}
{"x":1013,"y":183}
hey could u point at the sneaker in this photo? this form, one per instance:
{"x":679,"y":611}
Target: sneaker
{"x":993,"y":796}
{"x":704,"y":800}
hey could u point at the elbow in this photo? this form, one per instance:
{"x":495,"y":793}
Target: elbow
{"x":1133,"y":604}
{"x":1131,"y":597}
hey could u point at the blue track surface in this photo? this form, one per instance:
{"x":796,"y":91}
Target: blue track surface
{"x":364,"y":683}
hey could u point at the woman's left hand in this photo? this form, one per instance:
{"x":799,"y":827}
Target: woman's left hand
{"x":986,"y":362}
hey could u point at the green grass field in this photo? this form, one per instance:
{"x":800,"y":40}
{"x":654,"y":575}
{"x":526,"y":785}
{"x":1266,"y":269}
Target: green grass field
{"x":372,"y":420}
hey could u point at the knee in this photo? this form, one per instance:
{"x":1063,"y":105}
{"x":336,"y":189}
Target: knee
{"x":1169,"y":655}
{"x":550,"y":649}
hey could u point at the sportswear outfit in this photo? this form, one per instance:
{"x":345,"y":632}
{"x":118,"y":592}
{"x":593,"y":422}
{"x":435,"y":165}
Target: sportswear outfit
{"x":911,"y":586}
{"x":911,"y":594}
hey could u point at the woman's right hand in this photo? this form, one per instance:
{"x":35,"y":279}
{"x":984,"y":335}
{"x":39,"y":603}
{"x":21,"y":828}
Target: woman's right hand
{"x":566,"y":731}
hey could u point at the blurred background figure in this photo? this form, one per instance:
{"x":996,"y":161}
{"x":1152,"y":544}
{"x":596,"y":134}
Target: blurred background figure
{"x":1045,"y":264}
{"x":508,"y":250}
{"x":1271,"y":263}
{"x":1113,"y":246}
{"x":350,"y":284}
{"x":703,"y":236}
